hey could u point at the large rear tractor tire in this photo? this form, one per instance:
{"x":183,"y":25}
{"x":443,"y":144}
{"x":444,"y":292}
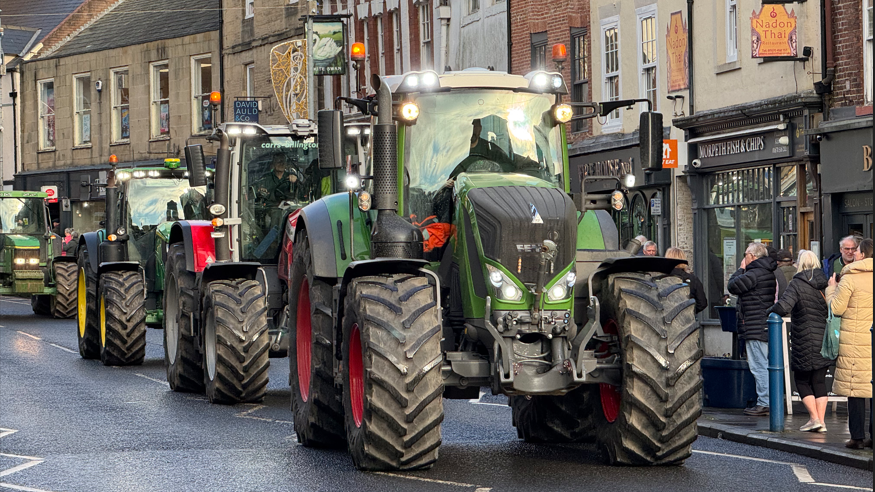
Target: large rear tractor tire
{"x":122,"y":318}
{"x":554,"y":419}
{"x":392,"y":387}
{"x":236,"y":341}
{"x":87,"y":313}
{"x":316,"y":402}
{"x":181,"y":358}
{"x":65,"y":281}
{"x":651,"y":418}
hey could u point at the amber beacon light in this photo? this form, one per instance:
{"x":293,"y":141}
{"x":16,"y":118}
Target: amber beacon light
{"x":215,"y":98}
{"x":357,"y":52}
{"x":560,"y":53}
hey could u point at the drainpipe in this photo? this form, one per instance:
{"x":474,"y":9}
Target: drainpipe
{"x":827,"y":63}
{"x":221,"y":70}
{"x":14,"y":95}
{"x":509,"y":38}
{"x":692,"y":103}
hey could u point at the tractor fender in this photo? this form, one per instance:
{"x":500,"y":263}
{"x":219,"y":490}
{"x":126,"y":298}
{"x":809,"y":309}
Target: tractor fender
{"x":284,"y":265}
{"x":227,"y":269}
{"x":200,"y":247}
{"x":117,"y":266}
{"x":316,"y":219}
{"x":91,"y":242}
{"x":64,"y":259}
{"x":610,"y":266}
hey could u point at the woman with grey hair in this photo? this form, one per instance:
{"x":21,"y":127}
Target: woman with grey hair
{"x":804,"y":301}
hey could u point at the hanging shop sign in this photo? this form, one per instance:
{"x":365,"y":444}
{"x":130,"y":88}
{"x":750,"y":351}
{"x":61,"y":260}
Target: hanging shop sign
{"x":327,"y":50}
{"x":670,"y":153}
{"x":246,"y":111}
{"x":773,"y":32}
{"x":676,"y":49}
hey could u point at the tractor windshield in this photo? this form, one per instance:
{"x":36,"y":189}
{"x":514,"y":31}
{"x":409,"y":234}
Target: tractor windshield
{"x":22,"y":216}
{"x":479,"y":131}
{"x":278,"y":175}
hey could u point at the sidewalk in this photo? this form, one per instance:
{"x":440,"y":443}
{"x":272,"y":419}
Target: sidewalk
{"x":733,"y":425}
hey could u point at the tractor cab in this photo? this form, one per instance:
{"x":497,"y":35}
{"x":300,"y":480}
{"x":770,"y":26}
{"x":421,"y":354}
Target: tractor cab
{"x":25,"y":240}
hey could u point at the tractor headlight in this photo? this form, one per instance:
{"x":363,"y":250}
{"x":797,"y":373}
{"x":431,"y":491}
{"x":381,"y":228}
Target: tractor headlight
{"x":33,"y":261}
{"x":20,"y":261}
{"x":563,"y":113}
{"x":121,"y":231}
{"x":505,"y":288}
{"x":562,"y":289}
{"x":409,"y":112}
{"x":217,"y":209}
{"x":352,"y":182}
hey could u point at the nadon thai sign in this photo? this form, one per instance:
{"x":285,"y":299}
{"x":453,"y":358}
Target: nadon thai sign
{"x":772,"y":32}
{"x":676,"y":49}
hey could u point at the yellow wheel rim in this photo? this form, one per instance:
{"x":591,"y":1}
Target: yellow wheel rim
{"x":80,"y":303}
{"x":102,"y":321}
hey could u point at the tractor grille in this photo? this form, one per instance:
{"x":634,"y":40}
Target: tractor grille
{"x":27,"y":254}
{"x":512,"y":234}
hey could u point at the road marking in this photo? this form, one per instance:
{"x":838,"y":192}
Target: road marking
{"x":492,"y":404}
{"x":245,"y":415}
{"x":29,"y":335}
{"x":431,"y":480}
{"x":800,"y":471}
{"x":23,"y":466}
{"x":65,"y":349}
{"x":151,"y":379}
{"x":6,"y":432}
{"x":21,"y":487}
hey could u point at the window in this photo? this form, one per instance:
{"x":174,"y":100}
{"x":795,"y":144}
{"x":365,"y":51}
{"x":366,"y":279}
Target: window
{"x":160,"y":89}
{"x":381,"y":46}
{"x":579,"y":73}
{"x":425,"y":35}
{"x":367,"y":54}
{"x":250,"y":9}
{"x":731,"y":30}
{"x":201,"y":86}
{"x":121,"y":118}
{"x":611,"y":69}
{"x":868,"y":48}
{"x":473,"y":6}
{"x":250,"y":80}
{"x":82,"y":109}
{"x":396,"y":24}
{"x":539,"y":50}
{"x":647,"y":60}
{"x":46,"y":114}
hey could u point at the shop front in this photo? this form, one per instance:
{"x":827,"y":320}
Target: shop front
{"x":646,"y":211}
{"x":845,"y":180}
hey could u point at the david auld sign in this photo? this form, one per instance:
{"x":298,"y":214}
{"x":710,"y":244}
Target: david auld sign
{"x":772,"y":32}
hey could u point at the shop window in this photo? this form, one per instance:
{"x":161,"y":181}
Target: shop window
{"x":121,"y":113}
{"x":201,"y":85}
{"x":723,"y":254}
{"x":160,"y":89}
{"x":87,"y":216}
{"x":539,"y":50}
{"x":82,"y":109}
{"x":46,"y":114}
{"x":787,"y":187}
{"x":425,"y":35}
{"x":789,"y":228}
{"x":611,"y":70}
{"x":579,"y":73}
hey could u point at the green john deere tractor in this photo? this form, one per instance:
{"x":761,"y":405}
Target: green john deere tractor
{"x":465,"y":262}
{"x":121,"y":267}
{"x":31,"y":264}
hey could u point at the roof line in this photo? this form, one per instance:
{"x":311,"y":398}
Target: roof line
{"x":30,"y":43}
{"x":84,"y":26}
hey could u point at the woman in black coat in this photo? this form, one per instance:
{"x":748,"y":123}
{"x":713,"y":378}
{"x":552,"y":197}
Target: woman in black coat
{"x":804,"y":302}
{"x":697,"y":290}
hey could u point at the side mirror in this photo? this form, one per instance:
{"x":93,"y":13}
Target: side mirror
{"x":650,"y":131}
{"x":330,"y":123}
{"x":197,"y":169}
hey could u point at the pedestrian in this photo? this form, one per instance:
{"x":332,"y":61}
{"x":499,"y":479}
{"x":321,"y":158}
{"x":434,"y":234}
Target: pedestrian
{"x":56,"y":226}
{"x":786,"y":266}
{"x":851,"y":298}
{"x":71,"y":242}
{"x":754,"y":283}
{"x":641,"y":241}
{"x":779,"y":277}
{"x":805,"y":303}
{"x":697,"y":290}
{"x":846,"y":255}
{"x":649,"y":249}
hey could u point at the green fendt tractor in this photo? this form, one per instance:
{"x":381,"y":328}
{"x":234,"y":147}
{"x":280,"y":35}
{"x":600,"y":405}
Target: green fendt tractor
{"x":121,"y":267}
{"x":465,"y":262}
{"x":31,"y":264}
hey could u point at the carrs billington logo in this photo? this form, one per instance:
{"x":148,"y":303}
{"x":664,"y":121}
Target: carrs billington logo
{"x":536,"y":217}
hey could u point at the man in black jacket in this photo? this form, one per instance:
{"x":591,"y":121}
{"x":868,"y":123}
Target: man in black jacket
{"x":755,"y":285}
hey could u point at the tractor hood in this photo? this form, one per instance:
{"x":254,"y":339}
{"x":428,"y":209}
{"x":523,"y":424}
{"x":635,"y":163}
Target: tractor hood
{"x":514,"y":215}
{"x":470,"y":181}
{"x":21,"y":241}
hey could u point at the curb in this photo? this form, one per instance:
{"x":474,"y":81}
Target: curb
{"x":767,"y":440}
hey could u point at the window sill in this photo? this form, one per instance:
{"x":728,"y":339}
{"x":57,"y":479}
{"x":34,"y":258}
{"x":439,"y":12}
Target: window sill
{"x":83,"y":146}
{"x":614,"y":128}
{"x":120,"y":142}
{"x":43,"y":151}
{"x":727,"y":67}
{"x":159,"y":139}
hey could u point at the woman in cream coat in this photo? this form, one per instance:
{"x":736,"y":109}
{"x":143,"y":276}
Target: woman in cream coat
{"x":852,"y":300}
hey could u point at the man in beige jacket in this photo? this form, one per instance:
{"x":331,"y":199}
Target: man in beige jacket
{"x":852,"y":300}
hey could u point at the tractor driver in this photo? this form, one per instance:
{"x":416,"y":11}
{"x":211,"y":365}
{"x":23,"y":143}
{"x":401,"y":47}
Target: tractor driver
{"x":278,"y":185}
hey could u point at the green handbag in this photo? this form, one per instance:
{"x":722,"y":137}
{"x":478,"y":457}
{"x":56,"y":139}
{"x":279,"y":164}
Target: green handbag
{"x":830,"y":348}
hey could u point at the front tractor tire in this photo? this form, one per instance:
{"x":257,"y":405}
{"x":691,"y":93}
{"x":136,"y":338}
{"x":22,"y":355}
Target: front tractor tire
{"x":87,"y":313}
{"x":122,"y":318}
{"x":651,"y":418}
{"x":66,"y":284}
{"x":181,"y":358}
{"x":236,"y":341}
{"x":392,"y":386}
{"x":316,"y":402}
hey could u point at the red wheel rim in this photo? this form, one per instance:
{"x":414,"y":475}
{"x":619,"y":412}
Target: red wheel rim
{"x":303,"y":339}
{"x":356,"y":376}
{"x":610,"y":394}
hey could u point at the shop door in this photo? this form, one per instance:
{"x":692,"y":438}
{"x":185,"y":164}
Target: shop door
{"x":857,"y":225}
